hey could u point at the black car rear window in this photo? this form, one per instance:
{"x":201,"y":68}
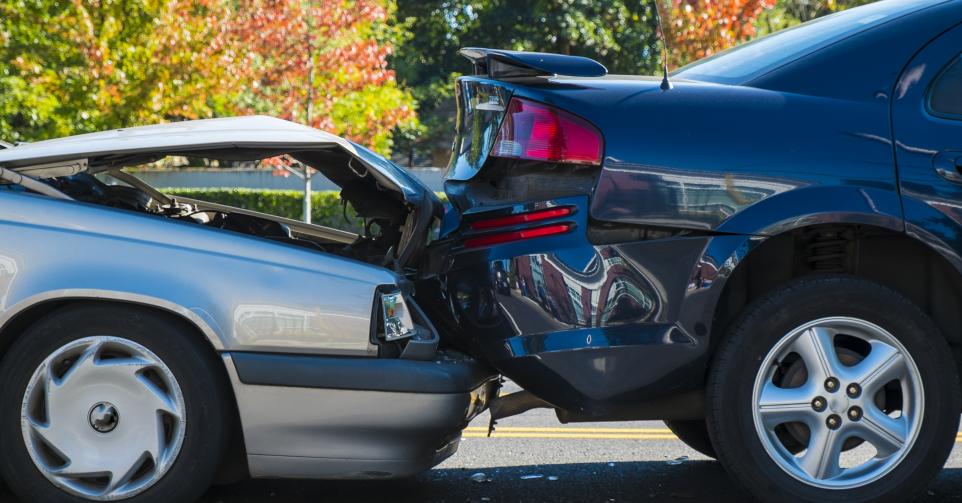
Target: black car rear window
{"x":945,"y":97}
{"x":745,"y":62}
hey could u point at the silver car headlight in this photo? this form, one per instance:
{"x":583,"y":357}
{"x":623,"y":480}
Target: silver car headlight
{"x":397,"y":317}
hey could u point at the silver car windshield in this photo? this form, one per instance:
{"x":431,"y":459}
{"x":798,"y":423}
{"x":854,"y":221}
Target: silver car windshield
{"x":745,"y":62}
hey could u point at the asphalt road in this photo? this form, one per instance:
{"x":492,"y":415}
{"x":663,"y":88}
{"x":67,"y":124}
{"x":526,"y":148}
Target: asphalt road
{"x":533,"y":458}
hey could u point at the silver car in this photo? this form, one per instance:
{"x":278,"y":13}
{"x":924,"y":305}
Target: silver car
{"x":152,"y":343}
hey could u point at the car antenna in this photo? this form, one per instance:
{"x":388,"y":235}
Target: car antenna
{"x":665,"y":83}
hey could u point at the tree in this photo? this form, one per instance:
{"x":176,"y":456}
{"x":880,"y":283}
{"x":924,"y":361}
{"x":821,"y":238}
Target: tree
{"x":789,"y":12}
{"x":77,"y":66}
{"x":322,"y":63}
{"x":700,"y":28}
{"x":621,"y":34}
{"x":84,"y":65}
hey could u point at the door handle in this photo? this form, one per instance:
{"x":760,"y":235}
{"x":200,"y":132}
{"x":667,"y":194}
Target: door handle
{"x":949,"y":165}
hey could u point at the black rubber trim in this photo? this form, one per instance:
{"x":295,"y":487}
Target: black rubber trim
{"x":448,"y":375}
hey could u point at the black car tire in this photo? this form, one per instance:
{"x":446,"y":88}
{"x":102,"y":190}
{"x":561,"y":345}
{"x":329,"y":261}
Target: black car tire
{"x":765,"y":322}
{"x":694,"y":433}
{"x":204,"y":390}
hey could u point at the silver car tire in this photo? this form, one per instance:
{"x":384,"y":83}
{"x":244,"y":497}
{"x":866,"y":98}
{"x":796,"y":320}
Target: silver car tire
{"x":833,"y":388}
{"x":112,"y":403}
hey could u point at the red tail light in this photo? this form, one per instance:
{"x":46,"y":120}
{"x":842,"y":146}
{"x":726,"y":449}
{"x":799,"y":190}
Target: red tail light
{"x":505,"y":237}
{"x":532,"y":130}
{"x":524,"y":218}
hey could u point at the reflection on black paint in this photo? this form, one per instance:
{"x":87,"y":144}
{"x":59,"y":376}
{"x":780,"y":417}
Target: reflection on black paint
{"x":604,"y":292}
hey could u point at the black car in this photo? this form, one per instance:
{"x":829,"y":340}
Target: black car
{"x":765,"y":251}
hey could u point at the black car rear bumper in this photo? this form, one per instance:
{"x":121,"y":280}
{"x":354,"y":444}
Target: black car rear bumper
{"x":603,"y":370}
{"x":591,"y":328}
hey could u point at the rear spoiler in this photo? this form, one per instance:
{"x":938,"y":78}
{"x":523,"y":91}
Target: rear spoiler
{"x":503,"y":64}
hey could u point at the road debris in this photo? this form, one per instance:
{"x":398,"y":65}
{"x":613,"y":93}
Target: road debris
{"x":480,"y":477}
{"x":677,"y":461}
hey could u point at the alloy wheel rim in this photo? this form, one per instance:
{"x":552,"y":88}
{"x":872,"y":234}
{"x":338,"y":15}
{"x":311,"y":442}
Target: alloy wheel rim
{"x":103,"y":418}
{"x":853,"y":413}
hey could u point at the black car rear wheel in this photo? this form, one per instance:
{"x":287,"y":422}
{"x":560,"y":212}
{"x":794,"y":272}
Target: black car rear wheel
{"x":834,"y":388}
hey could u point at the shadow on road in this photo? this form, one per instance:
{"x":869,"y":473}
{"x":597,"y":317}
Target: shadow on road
{"x":642,"y":481}
{"x":588,"y":482}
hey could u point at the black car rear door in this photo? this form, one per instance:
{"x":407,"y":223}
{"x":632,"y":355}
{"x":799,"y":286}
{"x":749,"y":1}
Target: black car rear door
{"x":927,"y":122}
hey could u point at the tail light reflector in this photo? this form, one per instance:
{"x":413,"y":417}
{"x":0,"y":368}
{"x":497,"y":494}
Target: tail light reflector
{"x":535,"y":131}
{"x":506,"y":237}
{"x":523,"y":218}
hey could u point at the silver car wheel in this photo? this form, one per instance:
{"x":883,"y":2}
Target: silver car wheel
{"x":103,"y":418}
{"x":838,"y":403}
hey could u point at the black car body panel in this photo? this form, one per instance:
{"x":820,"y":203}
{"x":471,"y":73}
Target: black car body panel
{"x":613,"y":316}
{"x":928,"y":147}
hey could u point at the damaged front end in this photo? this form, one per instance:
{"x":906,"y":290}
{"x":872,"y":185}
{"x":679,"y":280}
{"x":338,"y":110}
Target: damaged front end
{"x":316,"y":321}
{"x":396,"y":210}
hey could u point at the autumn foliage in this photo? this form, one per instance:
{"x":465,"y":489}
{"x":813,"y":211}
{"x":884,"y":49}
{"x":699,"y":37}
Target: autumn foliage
{"x":700,"y":28}
{"x":322,"y":63}
{"x":76,"y":66}
{"x":73,"y":66}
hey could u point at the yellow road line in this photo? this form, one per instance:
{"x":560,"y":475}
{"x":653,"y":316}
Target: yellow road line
{"x":538,"y":429}
{"x":599,"y":436}
{"x":537,"y":432}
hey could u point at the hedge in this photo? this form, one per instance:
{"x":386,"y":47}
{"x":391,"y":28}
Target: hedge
{"x":326,"y":206}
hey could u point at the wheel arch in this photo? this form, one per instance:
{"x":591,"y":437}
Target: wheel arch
{"x":40,"y":302}
{"x":908,"y":265}
{"x":18,"y":319}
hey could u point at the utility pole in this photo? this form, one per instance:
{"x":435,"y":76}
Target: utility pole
{"x":299,"y":169}
{"x":309,"y":112}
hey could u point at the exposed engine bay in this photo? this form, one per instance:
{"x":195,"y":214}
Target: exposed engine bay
{"x":383,"y":219}
{"x":390,"y":228}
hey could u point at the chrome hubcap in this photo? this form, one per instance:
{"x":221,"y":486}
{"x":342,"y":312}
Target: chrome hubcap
{"x":103,"y":418}
{"x":838,"y":403}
